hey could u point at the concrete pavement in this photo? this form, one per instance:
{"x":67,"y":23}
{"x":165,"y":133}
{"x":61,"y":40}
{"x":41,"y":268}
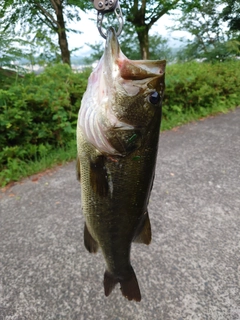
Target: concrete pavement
{"x":190,"y":271}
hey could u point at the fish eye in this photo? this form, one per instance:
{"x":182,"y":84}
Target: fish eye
{"x":154,"y":97}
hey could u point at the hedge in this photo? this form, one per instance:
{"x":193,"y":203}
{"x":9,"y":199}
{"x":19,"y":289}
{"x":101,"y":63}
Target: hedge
{"x":38,"y":113}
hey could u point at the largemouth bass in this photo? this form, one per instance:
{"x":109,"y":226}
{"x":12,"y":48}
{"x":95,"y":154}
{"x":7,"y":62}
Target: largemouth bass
{"x":117,"y":139}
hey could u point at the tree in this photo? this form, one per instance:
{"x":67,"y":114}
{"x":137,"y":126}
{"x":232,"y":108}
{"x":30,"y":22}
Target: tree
{"x":231,"y":14}
{"x":140,"y":16}
{"x":42,"y":19}
{"x":158,"y":46}
{"x":8,"y":52}
{"x":143,"y":14}
{"x":211,"y":37}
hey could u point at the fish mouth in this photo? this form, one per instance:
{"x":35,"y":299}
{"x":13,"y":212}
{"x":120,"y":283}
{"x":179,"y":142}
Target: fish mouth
{"x":112,"y":48}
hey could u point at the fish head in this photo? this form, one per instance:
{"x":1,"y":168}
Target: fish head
{"x":122,"y":98}
{"x":135,"y":88}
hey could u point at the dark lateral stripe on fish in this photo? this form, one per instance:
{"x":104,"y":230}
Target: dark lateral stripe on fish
{"x":98,"y":176}
{"x":129,"y":285}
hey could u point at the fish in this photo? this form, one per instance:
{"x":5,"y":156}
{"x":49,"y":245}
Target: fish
{"x":118,"y":131}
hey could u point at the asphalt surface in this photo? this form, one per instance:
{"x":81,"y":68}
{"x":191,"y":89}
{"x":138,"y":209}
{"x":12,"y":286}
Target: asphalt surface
{"x":190,"y":271}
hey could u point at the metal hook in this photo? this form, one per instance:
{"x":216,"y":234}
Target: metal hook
{"x":118,"y":13}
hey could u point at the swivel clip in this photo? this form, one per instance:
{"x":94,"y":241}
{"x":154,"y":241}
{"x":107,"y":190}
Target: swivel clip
{"x":106,"y":6}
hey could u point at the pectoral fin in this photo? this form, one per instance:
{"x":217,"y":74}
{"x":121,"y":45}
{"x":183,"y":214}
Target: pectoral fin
{"x":124,"y":140}
{"x":143,"y":233}
{"x":90,"y":244}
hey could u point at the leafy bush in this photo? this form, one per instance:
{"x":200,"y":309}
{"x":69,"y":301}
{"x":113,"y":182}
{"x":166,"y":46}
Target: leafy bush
{"x":39,"y":113}
{"x":201,"y":88}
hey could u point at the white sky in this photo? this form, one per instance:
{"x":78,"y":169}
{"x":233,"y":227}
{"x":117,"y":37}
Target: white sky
{"x":91,"y":35}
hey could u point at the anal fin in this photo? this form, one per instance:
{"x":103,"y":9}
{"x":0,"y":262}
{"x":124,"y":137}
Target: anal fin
{"x":90,"y":244}
{"x":144,"y":234}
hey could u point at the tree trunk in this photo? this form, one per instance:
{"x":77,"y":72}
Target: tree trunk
{"x":143,"y":38}
{"x":143,"y":18}
{"x":137,"y":18}
{"x":62,"y":36}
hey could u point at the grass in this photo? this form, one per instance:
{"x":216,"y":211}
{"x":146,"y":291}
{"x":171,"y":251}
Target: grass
{"x":20,"y":169}
{"x":175,"y":119}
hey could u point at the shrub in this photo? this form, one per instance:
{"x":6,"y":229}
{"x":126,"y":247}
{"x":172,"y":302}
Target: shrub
{"x":194,"y":87}
{"x":39,"y":113}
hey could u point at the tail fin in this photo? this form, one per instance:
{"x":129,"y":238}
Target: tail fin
{"x":109,"y":283}
{"x":129,"y":285}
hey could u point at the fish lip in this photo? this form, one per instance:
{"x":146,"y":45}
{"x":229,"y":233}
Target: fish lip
{"x":112,"y":48}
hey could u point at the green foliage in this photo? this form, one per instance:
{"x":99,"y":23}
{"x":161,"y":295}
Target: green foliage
{"x":231,"y":13}
{"x":139,"y":17}
{"x":158,"y":47}
{"x":43,"y":23}
{"x":97,"y":52}
{"x":212,"y":40}
{"x":129,"y":42}
{"x":142,"y":15}
{"x":220,"y":51}
{"x":8,"y":77}
{"x":200,"y":88}
{"x":37,"y":114}
{"x":10,"y":48}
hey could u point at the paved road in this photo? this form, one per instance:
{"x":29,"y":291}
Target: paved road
{"x":190,"y":271}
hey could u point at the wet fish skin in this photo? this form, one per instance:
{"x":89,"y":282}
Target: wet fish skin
{"x":117,"y":139}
